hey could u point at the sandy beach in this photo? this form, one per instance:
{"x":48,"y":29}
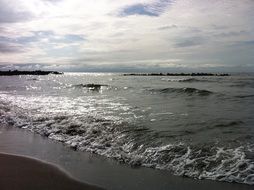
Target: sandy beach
{"x":23,"y":173}
{"x":28,"y":173}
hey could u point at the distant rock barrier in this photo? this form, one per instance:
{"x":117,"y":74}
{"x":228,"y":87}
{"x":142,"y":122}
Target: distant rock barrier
{"x":176,"y":74}
{"x":37,"y":72}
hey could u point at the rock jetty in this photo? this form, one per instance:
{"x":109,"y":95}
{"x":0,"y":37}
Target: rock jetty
{"x":176,"y":74}
{"x":37,"y":72}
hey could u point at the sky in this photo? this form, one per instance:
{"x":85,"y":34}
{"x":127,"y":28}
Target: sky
{"x":127,"y":35}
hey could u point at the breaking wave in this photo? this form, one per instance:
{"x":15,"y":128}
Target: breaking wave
{"x":186,"y":91}
{"x":89,"y":85}
{"x":120,"y":140}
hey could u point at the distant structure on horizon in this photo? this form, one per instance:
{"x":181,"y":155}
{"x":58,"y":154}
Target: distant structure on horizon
{"x":176,"y":74}
{"x":37,"y":72}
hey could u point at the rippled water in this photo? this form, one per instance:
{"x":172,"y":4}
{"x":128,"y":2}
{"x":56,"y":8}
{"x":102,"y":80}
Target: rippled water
{"x":200,"y":127}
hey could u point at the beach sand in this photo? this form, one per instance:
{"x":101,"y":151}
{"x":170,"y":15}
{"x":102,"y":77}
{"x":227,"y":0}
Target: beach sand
{"x":19,"y":173}
{"x":23,"y":173}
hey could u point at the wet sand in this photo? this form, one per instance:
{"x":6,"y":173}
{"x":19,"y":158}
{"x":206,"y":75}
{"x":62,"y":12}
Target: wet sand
{"x":23,"y":173}
{"x":89,"y":168}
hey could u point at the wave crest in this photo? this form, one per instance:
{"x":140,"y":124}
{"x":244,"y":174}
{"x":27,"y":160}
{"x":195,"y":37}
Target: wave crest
{"x":117,"y":140}
{"x":186,"y":91}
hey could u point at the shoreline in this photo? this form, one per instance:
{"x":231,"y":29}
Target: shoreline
{"x":24,"y":173}
{"x":97,"y":170}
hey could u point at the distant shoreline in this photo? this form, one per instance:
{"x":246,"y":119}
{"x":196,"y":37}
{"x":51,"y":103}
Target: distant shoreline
{"x":176,"y":74}
{"x":40,"y":72}
{"x":37,"y":72}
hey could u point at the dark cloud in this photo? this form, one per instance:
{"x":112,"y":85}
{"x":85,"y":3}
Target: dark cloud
{"x":189,"y":42}
{"x":4,"y":39}
{"x":9,"y":15}
{"x":168,"y":27}
{"x":231,"y":34}
{"x":26,"y":66}
{"x":73,"y":38}
{"x":219,"y":27}
{"x":10,"y":48}
{"x":245,"y":43}
{"x":2,"y":29}
{"x":186,"y":43}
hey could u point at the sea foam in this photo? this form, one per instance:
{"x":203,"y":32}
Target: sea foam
{"x":116,"y":139}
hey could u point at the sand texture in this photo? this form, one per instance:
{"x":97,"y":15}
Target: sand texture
{"x":23,"y":173}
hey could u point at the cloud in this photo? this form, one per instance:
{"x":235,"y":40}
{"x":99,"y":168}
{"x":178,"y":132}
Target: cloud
{"x":28,"y":66}
{"x":189,"y":42}
{"x":127,"y":34}
{"x":231,"y":34}
{"x":53,"y":1}
{"x":138,"y":9}
{"x":173,"y":26}
{"x":46,"y":36}
{"x":10,"y":48}
{"x":249,"y":43}
{"x":9,"y":14}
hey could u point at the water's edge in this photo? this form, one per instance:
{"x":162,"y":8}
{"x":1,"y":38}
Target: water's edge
{"x":94,"y":169}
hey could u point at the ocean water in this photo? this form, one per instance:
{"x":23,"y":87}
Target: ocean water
{"x":199,"y":127}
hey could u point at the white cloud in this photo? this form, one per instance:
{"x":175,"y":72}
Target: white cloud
{"x":199,"y":32}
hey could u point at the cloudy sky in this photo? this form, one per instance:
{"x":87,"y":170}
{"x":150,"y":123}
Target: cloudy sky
{"x":127,"y":35}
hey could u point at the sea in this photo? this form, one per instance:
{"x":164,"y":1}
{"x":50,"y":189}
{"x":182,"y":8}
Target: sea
{"x":200,"y":127}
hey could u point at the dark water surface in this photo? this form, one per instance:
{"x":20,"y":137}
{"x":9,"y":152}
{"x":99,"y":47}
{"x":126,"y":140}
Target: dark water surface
{"x":200,"y":127}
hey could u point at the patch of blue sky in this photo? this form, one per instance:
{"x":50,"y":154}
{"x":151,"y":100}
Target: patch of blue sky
{"x":138,"y":9}
{"x":153,"y":9}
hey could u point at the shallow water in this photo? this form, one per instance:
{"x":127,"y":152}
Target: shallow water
{"x":98,"y":170}
{"x":200,"y":127}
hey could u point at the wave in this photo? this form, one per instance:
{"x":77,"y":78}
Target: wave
{"x":249,"y":83}
{"x":32,"y":79}
{"x":186,"y":91}
{"x":245,"y":96}
{"x":130,"y":144}
{"x":98,"y":87}
{"x":191,"y":80}
{"x":184,"y":80}
{"x":91,"y":87}
{"x":228,"y":124}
